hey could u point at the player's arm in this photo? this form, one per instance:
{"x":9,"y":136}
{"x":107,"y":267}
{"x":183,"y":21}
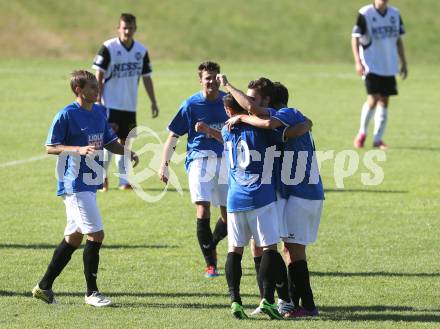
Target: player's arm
{"x":149,"y":88}
{"x":100,"y":77}
{"x":211,"y":132}
{"x":245,"y":101}
{"x":359,"y":29}
{"x":264,"y":123}
{"x":117,"y":148}
{"x":401,"y":52}
{"x":59,"y":148}
{"x":168,"y":150}
{"x":299,"y":129}
{"x":360,"y":69}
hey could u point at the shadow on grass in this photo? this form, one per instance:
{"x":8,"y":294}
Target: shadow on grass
{"x":360,"y":190}
{"x":373,"y":274}
{"x":417,"y":148}
{"x":105,"y":246}
{"x":353,"y":313}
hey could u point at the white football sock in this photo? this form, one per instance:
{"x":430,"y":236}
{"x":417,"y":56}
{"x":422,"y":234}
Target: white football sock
{"x":366,"y":115}
{"x":380,"y":122}
{"x":121,"y":169}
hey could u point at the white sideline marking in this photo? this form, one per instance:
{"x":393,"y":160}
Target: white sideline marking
{"x":44,"y":156}
{"x":19,"y":162}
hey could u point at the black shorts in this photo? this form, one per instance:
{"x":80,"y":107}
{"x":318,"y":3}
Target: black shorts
{"x":382,"y":85}
{"x":123,"y":122}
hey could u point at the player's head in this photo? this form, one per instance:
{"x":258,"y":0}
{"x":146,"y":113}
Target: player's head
{"x":231,"y":106}
{"x":280,"y":96}
{"x":260,"y":91}
{"x":126,"y":27}
{"x":207,"y":76}
{"x":84,"y":85}
{"x":380,"y":3}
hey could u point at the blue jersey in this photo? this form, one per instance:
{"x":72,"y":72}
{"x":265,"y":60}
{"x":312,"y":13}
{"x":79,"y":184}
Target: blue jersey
{"x":250,"y":172}
{"x":299,"y":175}
{"x":76,"y":126}
{"x":277,"y":160}
{"x":197,"y":108}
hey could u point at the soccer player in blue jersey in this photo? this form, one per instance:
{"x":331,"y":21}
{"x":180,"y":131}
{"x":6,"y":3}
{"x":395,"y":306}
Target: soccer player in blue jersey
{"x":204,"y":159}
{"x":304,"y":192}
{"x":78,"y":133}
{"x":251,"y":208}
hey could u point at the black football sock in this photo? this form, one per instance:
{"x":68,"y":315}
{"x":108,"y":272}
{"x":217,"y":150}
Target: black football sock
{"x":61,"y":256}
{"x":302,"y":284}
{"x":269,"y":262}
{"x":281,"y":283}
{"x":257,"y":263}
{"x":91,"y":262}
{"x":292,"y":289}
{"x":204,"y":235}
{"x":233,"y":275}
{"x":220,"y":231}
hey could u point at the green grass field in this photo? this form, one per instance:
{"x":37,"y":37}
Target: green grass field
{"x":376,"y":261}
{"x":375,"y":264}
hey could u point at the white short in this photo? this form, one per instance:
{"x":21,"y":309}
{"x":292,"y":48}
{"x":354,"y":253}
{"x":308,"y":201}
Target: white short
{"x":260,"y":224}
{"x":302,"y":218}
{"x":82,"y":213}
{"x":208,"y":180}
{"x":281,"y":204}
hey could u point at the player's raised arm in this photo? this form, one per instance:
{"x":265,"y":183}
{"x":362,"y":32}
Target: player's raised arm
{"x":81,"y":150}
{"x":168,"y":149}
{"x":245,"y":101}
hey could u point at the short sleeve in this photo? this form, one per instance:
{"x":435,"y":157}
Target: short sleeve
{"x":401,"y":26}
{"x":289,"y":117}
{"x":146,"y":65}
{"x":360,"y":28}
{"x":58,"y":131}
{"x":102,"y":59}
{"x":109,"y":134}
{"x":180,"y":123}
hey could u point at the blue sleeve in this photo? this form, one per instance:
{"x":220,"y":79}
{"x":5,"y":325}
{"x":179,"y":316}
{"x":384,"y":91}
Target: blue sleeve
{"x":224,"y":133}
{"x":58,"y":131}
{"x":289,"y":117}
{"x":180,"y":124}
{"x":109,"y":134}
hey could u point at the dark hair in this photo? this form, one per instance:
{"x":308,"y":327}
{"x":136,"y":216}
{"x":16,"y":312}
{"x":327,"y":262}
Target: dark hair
{"x":79,"y":78}
{"x":280,"y":96}
{"x":263,"y":86}
{"x":208,"y":66}
{"x":231,"y":102}
{"x":128,"y":18}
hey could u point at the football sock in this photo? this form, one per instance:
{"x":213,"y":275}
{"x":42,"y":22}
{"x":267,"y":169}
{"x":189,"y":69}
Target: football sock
{"x":301,"y":279}
{"x":366,"y":115}
{"x":121,"y":169}
{"x":233,"y":275}
{"x":91,"y":262}
{"x":257,"y":263}
{"x":220,"y":231}
{"x":61,"y":256}
{"x":380,"y":122}
{"x":204,"y":235}
{"x":269,"y":262}
{"x":292,"y":289}
{"x":281,"y":282}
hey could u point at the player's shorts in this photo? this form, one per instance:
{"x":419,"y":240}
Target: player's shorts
{"x":382,"y":85}
{"x":208,"y":180}
{"x":82,"y":213}
{"x":302,"y":218}
{"x":125,"y":121}
{"x":260,"y":224}
{"x":281,"y":204}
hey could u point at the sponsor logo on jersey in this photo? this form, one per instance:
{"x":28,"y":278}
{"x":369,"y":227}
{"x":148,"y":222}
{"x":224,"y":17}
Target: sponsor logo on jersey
{"x":122,"y":70}
{"x":96,"y":140}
